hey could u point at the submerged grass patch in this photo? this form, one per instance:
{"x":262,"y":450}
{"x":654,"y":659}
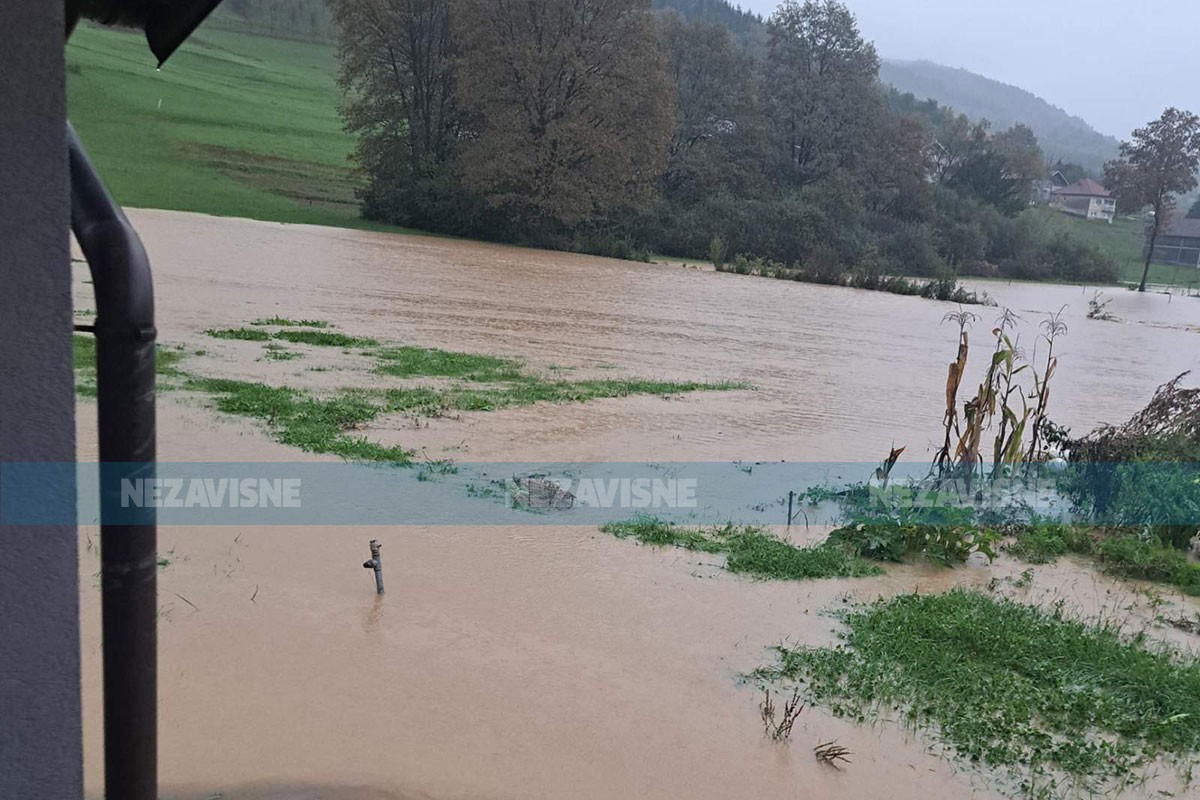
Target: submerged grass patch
{"x":1122,"y":553}
{"x":239,"y":334}
{"x":403,"y":362}
{"x":530,"y":390}
{"x":748,"y":550}
{"x":296,"y":418}
{"x":1055,"y":702}
{"x":326,"y":424}
{"x":284,"y":322}
{"x":320,"y":338}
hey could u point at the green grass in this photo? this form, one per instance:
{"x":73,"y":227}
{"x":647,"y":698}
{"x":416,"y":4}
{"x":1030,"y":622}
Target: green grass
{"x":325,"y":339}
{"x":1121,"y":553}
{"x":530,"y":390}
{"x":1131,"y":556}
{"x":748,"y":550}
{"x":326,"y":424}
{"x":239,"y":334}
{"x":1056,"y":703}
{"x":1044,"y":541}
{"x":278,"y":353}
{"x":284,"y":322}
{"x":299,"y":419}
{"x":1123,"y":240}
{"x":319,"y":338}
{"x":403,"y":362}
{"x":233,"y":125}
{"x":83,"y":349}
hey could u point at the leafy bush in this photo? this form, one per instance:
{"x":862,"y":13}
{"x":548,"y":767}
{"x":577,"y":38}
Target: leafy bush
{"x":943,"y":535}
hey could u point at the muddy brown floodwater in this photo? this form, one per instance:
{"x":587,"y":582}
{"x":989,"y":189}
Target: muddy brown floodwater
{"x":553,"y":662}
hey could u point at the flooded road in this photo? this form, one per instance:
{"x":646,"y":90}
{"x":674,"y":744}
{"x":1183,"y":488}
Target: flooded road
{"x":552,"y":662}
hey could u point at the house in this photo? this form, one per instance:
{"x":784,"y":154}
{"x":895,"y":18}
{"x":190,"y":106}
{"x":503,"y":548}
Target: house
{"x":1085,"y":198}
{"x":1179,"y":243}
{"x":1043,"y":191}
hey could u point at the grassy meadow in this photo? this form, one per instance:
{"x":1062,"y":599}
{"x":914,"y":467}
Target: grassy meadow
{"x":1123,"y":240}
{"x":233,"y":125}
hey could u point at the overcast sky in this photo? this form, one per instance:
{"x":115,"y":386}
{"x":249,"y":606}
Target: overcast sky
{"x":1116,"y":63}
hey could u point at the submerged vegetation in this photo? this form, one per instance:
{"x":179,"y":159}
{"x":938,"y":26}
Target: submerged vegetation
{"x":748,"y":550}
{"x":946,"y":287}
{"x":326,"y":422}
{"x":1058,"y":704}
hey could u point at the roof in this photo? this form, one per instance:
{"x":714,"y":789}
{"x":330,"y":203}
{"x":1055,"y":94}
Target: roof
{"x":1183,"y":226}
{"x":1085,"y":188}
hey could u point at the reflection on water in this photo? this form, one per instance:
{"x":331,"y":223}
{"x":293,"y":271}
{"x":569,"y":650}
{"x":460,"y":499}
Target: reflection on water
{"x":519,"y":662}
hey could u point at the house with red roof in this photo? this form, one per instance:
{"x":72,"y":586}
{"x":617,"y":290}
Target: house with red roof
{"x":1085,"y":198}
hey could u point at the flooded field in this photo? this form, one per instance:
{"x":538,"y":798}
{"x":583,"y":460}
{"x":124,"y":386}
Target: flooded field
{"x":549,"y":662}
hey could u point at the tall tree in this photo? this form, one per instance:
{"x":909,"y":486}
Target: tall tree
{"x":396,"y":69}
{"x":716,"y":123}
{"x":820,"y":88}
{"x":1153,"y":168}
{"x":570,"y":103}
{"x":1001,"y":170}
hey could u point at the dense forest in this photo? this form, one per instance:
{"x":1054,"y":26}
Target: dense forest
{"x":606,"y":128}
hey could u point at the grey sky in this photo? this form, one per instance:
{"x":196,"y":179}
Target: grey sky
{"x":1116,"y":63}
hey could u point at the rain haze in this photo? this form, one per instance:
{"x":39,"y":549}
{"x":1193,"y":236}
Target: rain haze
{"x":1108,"y":62}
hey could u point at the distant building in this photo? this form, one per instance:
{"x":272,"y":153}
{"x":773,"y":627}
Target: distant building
{"x":1085,"y":198}
{"x":1179,"y":243}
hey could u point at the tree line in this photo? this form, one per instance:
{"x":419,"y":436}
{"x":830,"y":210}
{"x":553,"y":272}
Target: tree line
{"x":601,"y":126}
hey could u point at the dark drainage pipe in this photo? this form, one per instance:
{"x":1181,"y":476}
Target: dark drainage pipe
{"x":125,"y":334}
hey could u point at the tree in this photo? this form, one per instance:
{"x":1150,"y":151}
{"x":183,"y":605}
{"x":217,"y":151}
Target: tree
{"x":716,"y":116}
{"x":1194,"y":212}
{"x":570,"y":102}
{"x":956,"y":141}
{"x":1159,"y":163}
{"x":1000,"y":170}
{"x":396,"y":68}
{"x":820,"y":88}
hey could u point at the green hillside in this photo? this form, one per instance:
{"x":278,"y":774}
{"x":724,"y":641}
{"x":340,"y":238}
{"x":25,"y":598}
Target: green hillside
{"x":1123,"y":240}
{"x":233,"y":125}
{"x":1061,"y":135}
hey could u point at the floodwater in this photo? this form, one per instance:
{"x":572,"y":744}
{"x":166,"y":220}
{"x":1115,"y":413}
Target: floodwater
{"x":550,"y":662}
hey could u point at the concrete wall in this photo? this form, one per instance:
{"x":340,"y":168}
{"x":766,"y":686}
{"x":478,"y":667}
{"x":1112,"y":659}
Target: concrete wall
{"x":40,"y":749}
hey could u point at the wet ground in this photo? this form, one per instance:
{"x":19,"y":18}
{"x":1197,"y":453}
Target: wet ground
{"x":549,"y":662}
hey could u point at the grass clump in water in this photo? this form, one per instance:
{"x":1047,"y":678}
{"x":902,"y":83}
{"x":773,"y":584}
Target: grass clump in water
{"x":1132,"y":556}
{"x":748,"y":550}
{"x":284,"y":322}
{"x":530,"y":390}
{"x":298,"y":419}
{"x":320,"y":338}
{"x":1044,"y":541}
{"x":239,"y":334}
{"x":277,"y":352}
{"x":1055,"y":702}
{"x":404,"y":362}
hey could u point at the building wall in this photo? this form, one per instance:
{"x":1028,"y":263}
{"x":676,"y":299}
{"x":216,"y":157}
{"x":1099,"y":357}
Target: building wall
{"x":40,"y":748}
{"x":1181,"y":250}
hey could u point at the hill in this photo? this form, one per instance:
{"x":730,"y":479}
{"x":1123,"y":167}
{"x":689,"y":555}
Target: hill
{"x":233,"y":125}
{"x":1061,"y":135}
